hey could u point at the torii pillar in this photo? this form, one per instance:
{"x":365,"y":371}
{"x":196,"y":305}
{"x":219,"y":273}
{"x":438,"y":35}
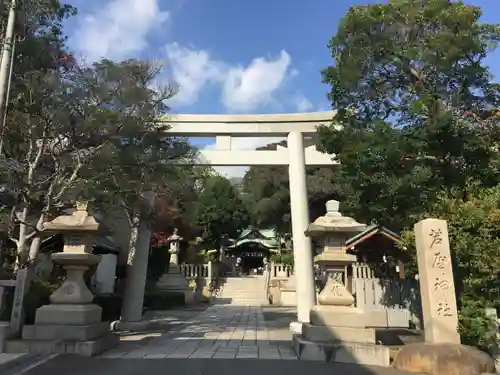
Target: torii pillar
{"x":302,"y":247}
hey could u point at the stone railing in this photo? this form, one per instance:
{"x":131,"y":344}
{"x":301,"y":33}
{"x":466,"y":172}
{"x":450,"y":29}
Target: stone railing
{"x":267,"y":279}
{"x":13,"y":327}
{"x":362,"y":271}
{"x":194,"y":270}
{"x":282,"y":271}
{"x":206,"y":271}
{"x":359,"y":271}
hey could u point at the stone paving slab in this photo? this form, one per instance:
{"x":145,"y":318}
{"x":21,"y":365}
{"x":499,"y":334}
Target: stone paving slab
{"x":219,"y":332}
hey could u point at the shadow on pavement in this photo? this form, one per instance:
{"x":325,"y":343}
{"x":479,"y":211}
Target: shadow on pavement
{"x":99,"y":366}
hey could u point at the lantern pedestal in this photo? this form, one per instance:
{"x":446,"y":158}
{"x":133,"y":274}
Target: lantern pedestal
{"x":71,"y":323}
{"x":337,"y":331}
{"x":174,"y":281}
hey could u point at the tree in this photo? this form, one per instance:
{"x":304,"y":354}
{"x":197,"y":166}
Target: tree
{"x":176,"y":201}
{"x":415,"y":107}
{"x":473,"y":228}
{"x":267,"y":194}
{"x":39,"y":46}
{"x":91,"y":132}
{"x":221,"y":214}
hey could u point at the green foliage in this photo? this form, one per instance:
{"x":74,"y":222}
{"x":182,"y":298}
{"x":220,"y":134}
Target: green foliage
{"x":159,"y":259}
{"x":163,"y":300}
{"x":90,"y":132}
{"x":475,"y":326}
{"x":474,"y":235}
{"x":417,"y":134}
{"x":414,"y":107}
{"x":37,"y":296}
{"x":111,"y":305}
{"x":286,"y":259}
{"x":220,"y":212}
{"x":266,"y":193}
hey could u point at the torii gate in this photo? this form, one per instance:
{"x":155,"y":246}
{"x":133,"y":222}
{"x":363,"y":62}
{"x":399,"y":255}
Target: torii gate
{"x":294,"y":126}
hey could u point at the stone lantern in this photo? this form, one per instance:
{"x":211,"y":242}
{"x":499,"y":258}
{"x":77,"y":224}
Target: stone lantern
{"x":337,"y":331}
{"x":173,"y":280}
{"x":332,"y":231}
{"x":174,"y":242}
{"x":72,"y":318}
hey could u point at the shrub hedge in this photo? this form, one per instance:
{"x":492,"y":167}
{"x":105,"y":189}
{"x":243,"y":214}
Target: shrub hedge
{"x":39,"y":293}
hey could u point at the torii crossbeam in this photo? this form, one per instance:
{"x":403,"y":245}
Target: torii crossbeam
{"x":294,"y":126}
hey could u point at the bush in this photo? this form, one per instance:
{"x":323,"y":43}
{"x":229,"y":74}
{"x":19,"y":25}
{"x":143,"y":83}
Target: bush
{"x":159,"y":259}
{"x":159,"y":300}
{"x":475,"y":326}
{"x":286,"y":259}
{"x":111,"y":305}
{"x":37,"y":296}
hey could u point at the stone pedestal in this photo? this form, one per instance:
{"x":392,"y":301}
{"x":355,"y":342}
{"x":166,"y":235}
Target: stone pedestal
{"x":174,"y":281}
{"x":337,"y":331}
{"x":71,"y":323}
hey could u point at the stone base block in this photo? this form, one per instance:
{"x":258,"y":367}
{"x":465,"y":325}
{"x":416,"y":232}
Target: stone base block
{"x":296,"y":328}
{"x":338,"y":316}
{"x":390,"y":318}
{"x":440,"y":359}
{"x":288,"y":297}
{"x":68,"y":315}
{"x":172,"y":281}
{"x":88,"y":348}
{"x":338,"y":334}
{"x":59,"y":332}
{"x":362,"y":354}
{"x":274,"y":296}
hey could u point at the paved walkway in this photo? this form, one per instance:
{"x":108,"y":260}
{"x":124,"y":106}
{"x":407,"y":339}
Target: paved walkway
{"x":221,"y":331}
{"x":218,"y":341}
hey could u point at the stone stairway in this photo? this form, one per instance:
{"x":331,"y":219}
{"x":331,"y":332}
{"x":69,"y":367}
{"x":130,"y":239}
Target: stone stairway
{"x":243,"y":291}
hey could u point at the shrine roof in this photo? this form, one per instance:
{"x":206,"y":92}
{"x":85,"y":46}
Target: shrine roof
{"x":370,"y":232}
{"x":270,"y":244}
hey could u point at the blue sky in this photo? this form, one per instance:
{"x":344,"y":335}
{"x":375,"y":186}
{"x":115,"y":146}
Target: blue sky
{"x":228,"y":56}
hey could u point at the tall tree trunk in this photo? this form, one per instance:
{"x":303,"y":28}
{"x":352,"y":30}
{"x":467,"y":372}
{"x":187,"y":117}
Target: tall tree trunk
{"x":21,"y":241}
{"x":134,"y":230}
{"x":37,"y":241}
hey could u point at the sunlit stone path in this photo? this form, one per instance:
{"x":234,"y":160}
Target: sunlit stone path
{"x":221,"y":331}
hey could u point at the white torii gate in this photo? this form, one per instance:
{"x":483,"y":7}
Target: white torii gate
{"x":294,"y":126}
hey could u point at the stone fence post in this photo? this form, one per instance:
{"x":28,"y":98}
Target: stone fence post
{"x":209,"y":271}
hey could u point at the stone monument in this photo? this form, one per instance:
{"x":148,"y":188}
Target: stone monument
{"x":437,"y":289}
{"x":173,"y":280}
{"x":442,"y":352}
{"x":338,"y":331}
{"x":71,"y":323}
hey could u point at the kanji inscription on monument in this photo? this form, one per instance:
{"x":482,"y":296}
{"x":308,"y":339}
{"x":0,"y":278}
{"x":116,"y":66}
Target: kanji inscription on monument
{"x":437,"y":290}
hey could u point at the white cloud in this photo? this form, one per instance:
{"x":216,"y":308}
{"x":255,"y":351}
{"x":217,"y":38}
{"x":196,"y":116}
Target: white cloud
{"x":247,"y":88}
{"x":244,"y":89}
{"x":118,"y":29}
{"x":192,"y":70}
{"x":303,"y":104}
